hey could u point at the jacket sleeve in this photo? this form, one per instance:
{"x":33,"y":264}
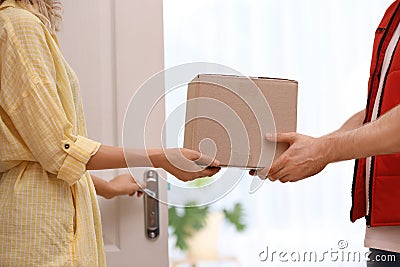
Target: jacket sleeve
{"x":30,"y":96}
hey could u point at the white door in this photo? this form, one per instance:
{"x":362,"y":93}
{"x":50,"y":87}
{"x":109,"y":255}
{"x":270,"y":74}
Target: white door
{"x":114,"y":46}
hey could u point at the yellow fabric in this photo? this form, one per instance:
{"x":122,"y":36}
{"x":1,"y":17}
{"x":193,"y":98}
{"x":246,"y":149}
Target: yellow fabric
{"x":49,"y":215}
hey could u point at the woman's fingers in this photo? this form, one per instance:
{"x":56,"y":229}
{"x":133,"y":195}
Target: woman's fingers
{"x":187,"y":165}
{"x":208,"y":172}
{"x":205,"y":160}
{"x":135,"y":188}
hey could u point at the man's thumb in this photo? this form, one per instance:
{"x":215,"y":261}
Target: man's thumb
{"x":281,"y":137}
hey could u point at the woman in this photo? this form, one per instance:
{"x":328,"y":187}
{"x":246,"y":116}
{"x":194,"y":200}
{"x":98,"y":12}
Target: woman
{"x":49,"y":215}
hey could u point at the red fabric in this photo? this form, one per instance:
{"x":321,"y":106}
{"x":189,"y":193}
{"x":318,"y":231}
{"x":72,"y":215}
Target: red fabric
{"x":385,"y":186}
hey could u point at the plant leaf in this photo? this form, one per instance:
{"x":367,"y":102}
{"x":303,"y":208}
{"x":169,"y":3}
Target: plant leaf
{"x":236,"y":217}
{"x":183,"y":224}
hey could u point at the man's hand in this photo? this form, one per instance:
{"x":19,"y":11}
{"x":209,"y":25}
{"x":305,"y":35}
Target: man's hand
{"x":305,"y":157}
{"x":184,"y":164}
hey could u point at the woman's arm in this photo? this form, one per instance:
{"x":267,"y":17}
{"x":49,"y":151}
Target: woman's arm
{"x":182,"y":163}
{"x":107,"y":157}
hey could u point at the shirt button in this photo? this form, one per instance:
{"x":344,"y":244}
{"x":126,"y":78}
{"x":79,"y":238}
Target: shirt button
{"x":66,"y":146}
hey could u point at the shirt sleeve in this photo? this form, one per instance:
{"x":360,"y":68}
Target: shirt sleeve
{"x":30,"y":95}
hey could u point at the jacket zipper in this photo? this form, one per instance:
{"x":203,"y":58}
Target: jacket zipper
{"x":368,"y":217}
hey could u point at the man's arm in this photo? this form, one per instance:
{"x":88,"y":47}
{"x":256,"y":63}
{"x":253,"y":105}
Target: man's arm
{"x":379,"y":137}
{"x":352,"y":123}
{"x":308,"y":156}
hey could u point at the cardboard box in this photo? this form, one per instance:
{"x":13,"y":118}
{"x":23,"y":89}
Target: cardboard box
{"x":228,"y":117}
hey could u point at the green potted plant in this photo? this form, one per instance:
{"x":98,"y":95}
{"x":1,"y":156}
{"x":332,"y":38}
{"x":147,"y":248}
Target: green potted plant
{"x":196,"y":229}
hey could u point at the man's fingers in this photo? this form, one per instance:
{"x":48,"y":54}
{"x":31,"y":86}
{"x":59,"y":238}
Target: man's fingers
{"x":282,"y":173}
{"x":262,"y":174}
{"x":277,"y":166}
{"x":285,"y":179}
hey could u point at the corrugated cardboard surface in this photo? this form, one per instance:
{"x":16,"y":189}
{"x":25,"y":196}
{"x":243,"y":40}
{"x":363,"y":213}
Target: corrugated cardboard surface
{"x":228,"y":117}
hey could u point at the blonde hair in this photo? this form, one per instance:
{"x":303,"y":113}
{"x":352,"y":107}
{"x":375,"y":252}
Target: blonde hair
{"x":49,"y":11}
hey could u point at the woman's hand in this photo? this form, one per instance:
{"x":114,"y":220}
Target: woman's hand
{"x":184,"y":164}
{"x":122,"y":185}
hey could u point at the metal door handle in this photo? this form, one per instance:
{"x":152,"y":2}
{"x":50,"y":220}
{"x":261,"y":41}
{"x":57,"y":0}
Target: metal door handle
{"x":151,"y":205}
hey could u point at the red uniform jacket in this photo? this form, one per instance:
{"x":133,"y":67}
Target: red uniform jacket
{"x":384,"y":195}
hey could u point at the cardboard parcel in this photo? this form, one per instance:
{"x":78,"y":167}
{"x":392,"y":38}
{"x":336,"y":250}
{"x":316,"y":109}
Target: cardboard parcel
{"x":227,"y":117}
